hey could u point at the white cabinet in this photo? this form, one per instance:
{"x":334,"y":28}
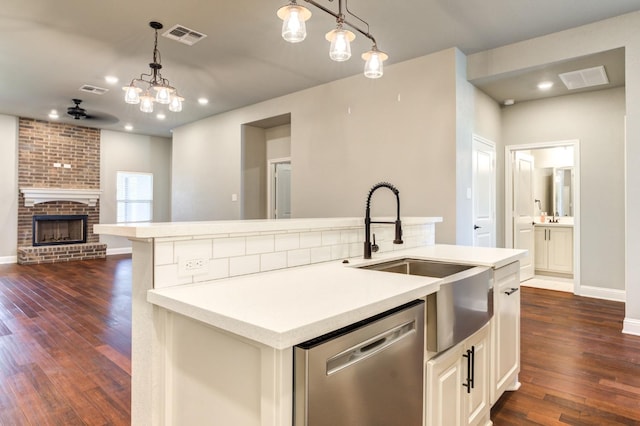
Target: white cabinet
{"x":554,"y":249}
{"x":505,"y":333}
{"x":457,"y":383}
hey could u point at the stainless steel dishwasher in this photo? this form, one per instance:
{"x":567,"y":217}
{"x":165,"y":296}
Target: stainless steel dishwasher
{"x":367,"y":374}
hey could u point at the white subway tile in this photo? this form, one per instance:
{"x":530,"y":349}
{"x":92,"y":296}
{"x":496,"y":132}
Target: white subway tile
{"x":351,"y":236}
{"x":330,"y":238}
{"x":284,"y":242}
{"x":340,"y":251}
{"x":192,"y":249}
{"x":298,"y":257}
{"x":260,"y":244}
{"x":320,"y":254}
{"x":310,"y":239}
{"x":167,"y":276}
{"x":163,"y":253}
{"x":228,"y":247}
{"x":243,"y":265}
{"x":218,"y":268}
{"x":271,"y":261}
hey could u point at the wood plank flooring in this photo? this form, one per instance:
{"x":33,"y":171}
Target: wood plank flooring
{"x":65,"y":349}
{"x":65,"y":343}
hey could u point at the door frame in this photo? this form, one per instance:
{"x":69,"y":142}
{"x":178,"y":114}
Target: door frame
{"x":509,"y":151}
{"x":271,"y":162}
{"x":493,"y":201}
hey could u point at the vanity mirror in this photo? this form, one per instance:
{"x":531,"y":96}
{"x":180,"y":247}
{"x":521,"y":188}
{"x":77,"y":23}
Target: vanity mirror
{"x":563,"y":191}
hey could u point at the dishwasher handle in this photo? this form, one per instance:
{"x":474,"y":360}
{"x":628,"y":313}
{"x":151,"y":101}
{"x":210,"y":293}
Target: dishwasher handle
{"x":369,"y":347}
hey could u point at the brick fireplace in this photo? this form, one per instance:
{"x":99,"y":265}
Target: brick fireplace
{"x":58,"y":176}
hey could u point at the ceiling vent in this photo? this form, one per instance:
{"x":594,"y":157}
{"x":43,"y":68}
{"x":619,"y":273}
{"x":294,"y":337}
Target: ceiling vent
{"x":94,"y":89}
{"x":588,"y":77}
{"x":184,"y":35}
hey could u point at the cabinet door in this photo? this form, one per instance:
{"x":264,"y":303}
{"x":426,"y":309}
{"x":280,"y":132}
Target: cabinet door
{"x":477,"y":406}
{"x":506,"y":335}
{"x":541,"y":251}
{"x":560,"y":242}
{"x":444,"y":388}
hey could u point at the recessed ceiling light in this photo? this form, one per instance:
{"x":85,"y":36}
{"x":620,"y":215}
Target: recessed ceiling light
{"x":161,"y":116}
{"x":111,"y":79}
{"x":545,"y":85}
{"x":54,"y":114}
{"x":509,"y":102}
{"x":203,"y":101}
{"x":128,"y":127}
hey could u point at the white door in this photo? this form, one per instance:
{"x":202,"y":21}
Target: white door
{"x":523,"y":237}
{"x":484,"y":190}
{"x":280,"y":190}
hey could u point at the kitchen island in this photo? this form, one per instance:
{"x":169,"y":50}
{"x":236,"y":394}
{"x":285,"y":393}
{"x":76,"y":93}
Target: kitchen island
{"x":217,"y":307}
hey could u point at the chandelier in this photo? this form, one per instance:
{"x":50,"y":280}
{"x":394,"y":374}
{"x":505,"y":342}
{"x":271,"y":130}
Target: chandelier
{"x":294,"y":31}
{"x":152,"y":87}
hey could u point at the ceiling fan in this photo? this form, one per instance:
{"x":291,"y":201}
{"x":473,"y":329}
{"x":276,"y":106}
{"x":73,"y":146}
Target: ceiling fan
{"x":79,"y":113}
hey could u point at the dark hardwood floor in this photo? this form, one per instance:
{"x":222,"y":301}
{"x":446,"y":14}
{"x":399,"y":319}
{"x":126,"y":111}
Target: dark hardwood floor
{"x":65,"y":343}
{"x":65,"y":349}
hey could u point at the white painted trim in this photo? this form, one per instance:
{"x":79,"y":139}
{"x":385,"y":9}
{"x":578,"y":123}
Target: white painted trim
{"x":631,"y":326}
{"x":270,"y":164}
{"x":602,"y":293}
{"x":120,"y":250}
{"x":8,"y":259}
{"x":42,"y":195}
{"x":508,"y":200}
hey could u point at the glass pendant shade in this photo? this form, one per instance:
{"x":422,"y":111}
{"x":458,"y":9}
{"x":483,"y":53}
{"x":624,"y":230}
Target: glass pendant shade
{"x":294,"y":29}
{"x":163,"y":94}
{"x":340,"y":49}
{"x":373,"y":66}
{"x":176,"y":103}
{"x":146,"y":102}
{"x":132,"y":94}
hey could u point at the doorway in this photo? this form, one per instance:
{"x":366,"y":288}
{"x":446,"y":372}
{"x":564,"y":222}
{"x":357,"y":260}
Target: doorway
{"x":484,"y":192}
{"x":544,"y":200}
{"x":279,"y":189}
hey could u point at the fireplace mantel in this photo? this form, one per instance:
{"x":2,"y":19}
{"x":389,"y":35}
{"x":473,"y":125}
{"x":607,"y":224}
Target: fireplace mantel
{"x":42,"y":195}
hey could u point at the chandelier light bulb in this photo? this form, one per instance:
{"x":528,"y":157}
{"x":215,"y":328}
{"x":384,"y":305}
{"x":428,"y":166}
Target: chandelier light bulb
{"x":146,"y":102}
{"x":294,"y":29}
{"x":176,"y":103}
{"x":132,"y":94}
{"x":163,"y":94}
{"x":373,"y":66}
{"x":340,"y":48}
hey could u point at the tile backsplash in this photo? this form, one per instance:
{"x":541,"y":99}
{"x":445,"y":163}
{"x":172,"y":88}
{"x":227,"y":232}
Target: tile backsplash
{"x":182,"y":260}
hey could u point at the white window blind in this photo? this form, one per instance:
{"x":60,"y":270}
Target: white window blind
{"x":134,"y":197}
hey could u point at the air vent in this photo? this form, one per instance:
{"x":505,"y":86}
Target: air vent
{"x":588,"y":77}
{"x":94,"y":89}
{"x":184,"y":35}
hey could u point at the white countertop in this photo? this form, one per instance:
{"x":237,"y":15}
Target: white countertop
{"x":555,"y":225}
{"x":286,"y":307}
{"x":180,"y":229}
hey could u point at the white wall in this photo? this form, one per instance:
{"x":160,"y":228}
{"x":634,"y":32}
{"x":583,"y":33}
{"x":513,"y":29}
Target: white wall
{"x":8,"y":188}
{"x":597,"y":120}
{"x":120,"y":151}
{"x":278,"y":142}
{"x":345,"y":137}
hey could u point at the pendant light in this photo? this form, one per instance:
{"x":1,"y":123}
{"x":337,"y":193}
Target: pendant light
{"x":155,"y":88}
{"x":294,"y":30}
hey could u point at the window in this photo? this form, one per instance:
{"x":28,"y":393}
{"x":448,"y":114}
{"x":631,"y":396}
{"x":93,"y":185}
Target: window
{"x":134,"y":196}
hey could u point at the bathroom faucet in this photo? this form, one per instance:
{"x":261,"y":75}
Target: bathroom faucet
{"x":368,"y":247}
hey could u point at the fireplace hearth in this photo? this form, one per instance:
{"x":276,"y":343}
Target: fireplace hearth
{"x":59,"y":229}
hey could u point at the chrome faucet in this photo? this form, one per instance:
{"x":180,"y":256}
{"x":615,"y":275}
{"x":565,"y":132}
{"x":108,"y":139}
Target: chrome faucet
{"x":368,"y":247}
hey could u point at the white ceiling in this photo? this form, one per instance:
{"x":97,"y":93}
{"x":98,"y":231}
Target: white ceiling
{"x":51,"y":48}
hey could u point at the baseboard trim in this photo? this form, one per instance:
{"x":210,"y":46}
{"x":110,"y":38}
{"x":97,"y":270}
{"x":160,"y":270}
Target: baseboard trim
{"x":8,"y":259}
{"x":603,"y":293}
{"x":631,"y":326}
{"x":121,"y":250}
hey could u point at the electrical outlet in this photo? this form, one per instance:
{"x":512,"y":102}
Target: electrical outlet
{"x":193,"y":266}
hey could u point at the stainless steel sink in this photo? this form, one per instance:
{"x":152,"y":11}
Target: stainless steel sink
{"x":462,"y":305}
{"x":425,"y":268}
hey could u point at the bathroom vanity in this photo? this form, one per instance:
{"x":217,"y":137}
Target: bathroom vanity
{"x":554,"y":248}
{"x":219,"y":306}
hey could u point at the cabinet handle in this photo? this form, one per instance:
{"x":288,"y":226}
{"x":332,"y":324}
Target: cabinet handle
{"x":511,"y":291}
{"x":549,"y":234}
{"x":469,"y":380}
{"x":473,"y":366}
